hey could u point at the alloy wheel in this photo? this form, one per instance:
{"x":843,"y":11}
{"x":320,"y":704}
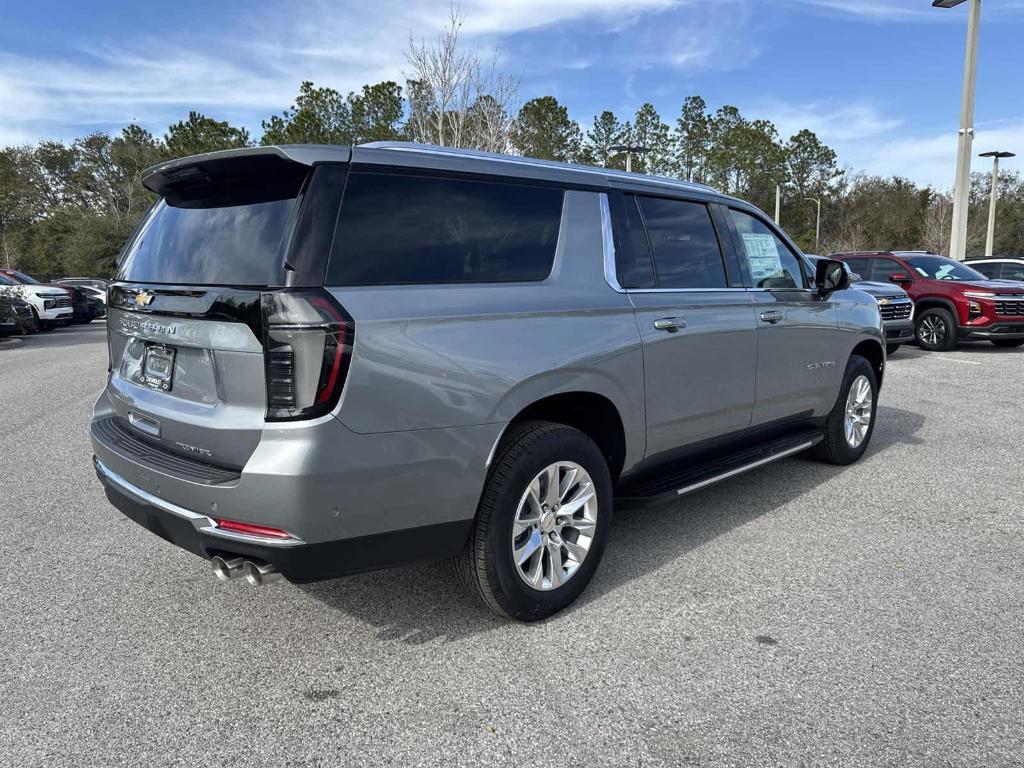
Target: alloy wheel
{"x":554,"y":526}
{"x":932,"y":330}
{"x":859,"y":410}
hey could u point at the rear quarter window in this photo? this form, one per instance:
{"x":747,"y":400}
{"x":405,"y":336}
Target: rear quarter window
{"x":398,"y":229}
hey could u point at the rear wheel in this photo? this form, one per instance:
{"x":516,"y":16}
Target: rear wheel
{"x":890,"y":349}
{"x":1010,"y":343}
{"x":935,"y":330}
{"x":542,"y":522}
{"x":849,"y":426}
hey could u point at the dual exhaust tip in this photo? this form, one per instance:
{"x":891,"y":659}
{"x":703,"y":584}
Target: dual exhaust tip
{"x":256,"y":572}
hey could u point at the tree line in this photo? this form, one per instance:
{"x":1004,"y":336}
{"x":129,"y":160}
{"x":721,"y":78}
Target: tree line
{"x":67,"y":207}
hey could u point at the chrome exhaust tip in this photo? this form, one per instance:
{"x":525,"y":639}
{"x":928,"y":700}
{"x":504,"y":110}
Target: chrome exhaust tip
{"x":258,"y":573}
{"x":226,"y":570}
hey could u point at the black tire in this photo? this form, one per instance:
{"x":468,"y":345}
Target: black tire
{"x":890,"y":349}
{"x":1008,"y":343}
{"x":42,"y":325}
{"x":486,"y":566}
{"x":835,"y":449}
{"x":940,"y":319}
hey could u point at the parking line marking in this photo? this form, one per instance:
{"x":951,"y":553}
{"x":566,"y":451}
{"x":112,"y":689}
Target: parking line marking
{"x":955,"y":360}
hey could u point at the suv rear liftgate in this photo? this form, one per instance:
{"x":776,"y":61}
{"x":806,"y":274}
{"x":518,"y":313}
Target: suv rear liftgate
{"x":219,"y":327}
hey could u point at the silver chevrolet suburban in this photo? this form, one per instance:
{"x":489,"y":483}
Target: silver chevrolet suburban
{"x":324,"y":360}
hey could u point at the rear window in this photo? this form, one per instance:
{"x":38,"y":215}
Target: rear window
{"x":226,"y":234}
{"x":401,"y":229}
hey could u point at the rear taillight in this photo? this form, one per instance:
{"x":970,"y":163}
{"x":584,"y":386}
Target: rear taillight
{"x":307,"y":345}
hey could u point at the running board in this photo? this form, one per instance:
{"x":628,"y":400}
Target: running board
{"x":673,"y":484}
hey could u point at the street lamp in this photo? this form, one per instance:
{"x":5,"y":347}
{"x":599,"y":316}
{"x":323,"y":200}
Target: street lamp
{"x":961,"y":187}
{"x":630,"y":151}
{"x":817,"y":224}
{"x":991,"y":236}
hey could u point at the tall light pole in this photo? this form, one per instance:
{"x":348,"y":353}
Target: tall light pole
{"x":778,"y":205}
{"x":965,"y":136}
{"x":817,"y":223}
{"x":630,"y":151}
{"x":991,"y":236}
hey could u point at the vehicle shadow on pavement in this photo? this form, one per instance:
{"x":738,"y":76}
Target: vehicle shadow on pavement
{"x":422,"y":603}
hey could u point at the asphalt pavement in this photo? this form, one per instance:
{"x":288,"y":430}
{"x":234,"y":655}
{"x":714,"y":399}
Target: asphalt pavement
{"x":801,"y":614}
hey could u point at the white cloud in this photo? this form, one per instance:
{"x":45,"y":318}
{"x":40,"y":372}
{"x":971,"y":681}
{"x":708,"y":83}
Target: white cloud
{"x":254,"y":68}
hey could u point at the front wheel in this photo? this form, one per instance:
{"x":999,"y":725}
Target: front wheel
{"x":935,"y":330}
{"x":850,"y":424}
{"x":1009,"y":343}
{"x":541,"y":524}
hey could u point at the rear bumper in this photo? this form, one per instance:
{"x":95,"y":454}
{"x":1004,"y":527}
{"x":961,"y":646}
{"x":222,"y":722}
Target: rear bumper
{"x":899,"y":331}
{"x":297,"y":560}
{"x":997,"y":330}
{"x":353,"y":501}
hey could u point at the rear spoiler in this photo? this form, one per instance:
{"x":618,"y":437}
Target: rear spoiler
{"x":165,"y":177}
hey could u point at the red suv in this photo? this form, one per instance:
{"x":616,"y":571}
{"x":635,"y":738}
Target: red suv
{"x":953,"y":302}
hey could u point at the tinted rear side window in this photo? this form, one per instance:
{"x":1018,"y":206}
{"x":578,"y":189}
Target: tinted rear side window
{"x":684,"y":244}
{"x":227,"y":234}
{"x":397,"y":229}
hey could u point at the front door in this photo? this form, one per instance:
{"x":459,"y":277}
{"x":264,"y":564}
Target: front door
{"x":798,"y":373}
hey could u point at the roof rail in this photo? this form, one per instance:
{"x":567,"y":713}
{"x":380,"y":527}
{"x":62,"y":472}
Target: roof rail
{"x":609,"y":173}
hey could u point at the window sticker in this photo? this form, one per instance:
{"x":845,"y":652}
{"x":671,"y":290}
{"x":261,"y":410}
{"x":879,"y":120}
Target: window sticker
{"x":762,"y":254}
{"x":943,"y":272}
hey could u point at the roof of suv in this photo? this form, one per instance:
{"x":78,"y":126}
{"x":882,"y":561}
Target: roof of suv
{"x":158,"y":177}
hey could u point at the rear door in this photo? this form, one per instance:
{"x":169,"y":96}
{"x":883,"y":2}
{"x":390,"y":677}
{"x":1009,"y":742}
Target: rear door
{"x":188,"y":311}
{"x":697,"y":326}
{"x":797,"y":330}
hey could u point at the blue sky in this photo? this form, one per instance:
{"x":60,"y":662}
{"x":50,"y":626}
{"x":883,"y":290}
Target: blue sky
{"x":879,"y":80}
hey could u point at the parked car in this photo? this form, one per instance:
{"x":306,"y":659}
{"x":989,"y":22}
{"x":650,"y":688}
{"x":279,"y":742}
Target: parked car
{"x":895,"y":306}
{"x":465,"y":357}
{"x":9,"y":323}
{"x":1000,"y":268}
{"x":86,"y":307}
{"x":953,"y":301}
{"x":96,"y":283}
{"x":95,"y":293}
{"x":49,"y":305}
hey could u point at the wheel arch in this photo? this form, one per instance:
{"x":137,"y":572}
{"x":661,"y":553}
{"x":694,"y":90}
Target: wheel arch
{"x":874,"y":353}
{"x":592,"y":413}
{"x":935,"y":302}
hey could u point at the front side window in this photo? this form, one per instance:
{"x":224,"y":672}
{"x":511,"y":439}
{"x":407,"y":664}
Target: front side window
{"x":1011,"y":271}
{"x":684,"y":243}
{"x":399,"y":230}
{"x":771,"y":263}
{"x":883,"y":269}
{"x":943,"y":268}
{"x":859,"y":267}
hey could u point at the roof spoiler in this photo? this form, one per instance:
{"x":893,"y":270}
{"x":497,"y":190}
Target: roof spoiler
{"x":187,"y":171}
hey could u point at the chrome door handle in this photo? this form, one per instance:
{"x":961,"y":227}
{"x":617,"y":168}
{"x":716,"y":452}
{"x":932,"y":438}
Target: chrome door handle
{"x":772,"y":316}
{"x":670,"y":323}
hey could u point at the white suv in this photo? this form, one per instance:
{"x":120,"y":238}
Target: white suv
{"x":50,"y":304}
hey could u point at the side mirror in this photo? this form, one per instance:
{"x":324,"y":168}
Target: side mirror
{"x":899,"y":277}
{"x":830,"y":275}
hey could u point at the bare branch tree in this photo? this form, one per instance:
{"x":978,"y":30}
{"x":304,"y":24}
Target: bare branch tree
{"x":454,"y":98}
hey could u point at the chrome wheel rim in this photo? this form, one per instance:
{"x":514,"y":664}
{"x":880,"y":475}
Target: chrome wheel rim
{"x":554,"y":527}
{"x":859,"y":404}
{"x":933,"y":329}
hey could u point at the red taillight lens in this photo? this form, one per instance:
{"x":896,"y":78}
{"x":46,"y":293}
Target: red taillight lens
{"x":307,"y":344}
{"x":252,"y":529}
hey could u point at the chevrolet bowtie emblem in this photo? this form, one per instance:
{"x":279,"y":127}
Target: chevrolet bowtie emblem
{"x":144,"y":299}
{"x":884,"y":302}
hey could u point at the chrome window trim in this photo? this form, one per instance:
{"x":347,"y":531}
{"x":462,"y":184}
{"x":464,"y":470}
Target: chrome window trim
{"x":684,"y":290}
{"x":202,"y":523}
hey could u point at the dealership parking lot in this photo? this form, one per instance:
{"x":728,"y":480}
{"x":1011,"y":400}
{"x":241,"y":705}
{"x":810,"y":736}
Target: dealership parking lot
{"x":799,"y":614}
